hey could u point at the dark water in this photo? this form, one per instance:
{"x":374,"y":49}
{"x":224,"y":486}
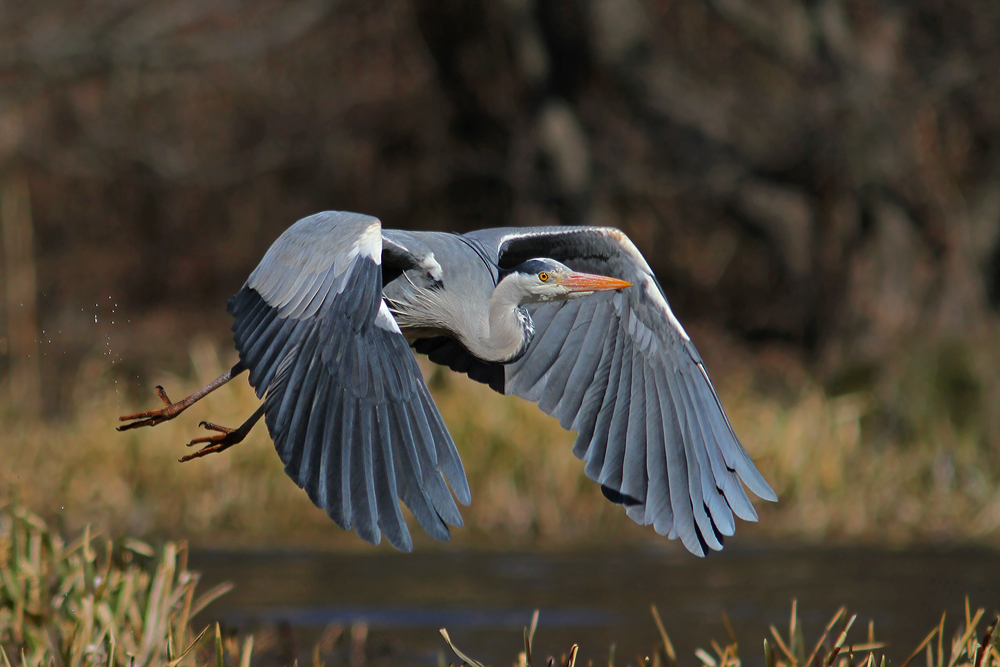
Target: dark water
{"x":595,"y":599}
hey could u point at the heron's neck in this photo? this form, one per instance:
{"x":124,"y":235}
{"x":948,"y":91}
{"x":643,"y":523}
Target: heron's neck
{"x":507,"y":330}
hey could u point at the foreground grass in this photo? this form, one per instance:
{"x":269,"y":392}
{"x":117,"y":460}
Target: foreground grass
{"x":837,"y":478}
{"x":95,"y":602}
{"x":91,"y":602}
{"x":964,"y":649}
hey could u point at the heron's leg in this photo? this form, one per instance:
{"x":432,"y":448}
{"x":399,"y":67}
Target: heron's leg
{"x":171,"y":410}
{"x":227,"y":436}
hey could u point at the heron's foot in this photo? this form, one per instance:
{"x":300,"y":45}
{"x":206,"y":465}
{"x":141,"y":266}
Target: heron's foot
{"x":154,"y":417}
{"x":214,"y":444}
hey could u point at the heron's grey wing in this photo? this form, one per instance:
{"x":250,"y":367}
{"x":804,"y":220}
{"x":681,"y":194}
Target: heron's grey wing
{"x":619,"y":369}
{"x":344,"y":400}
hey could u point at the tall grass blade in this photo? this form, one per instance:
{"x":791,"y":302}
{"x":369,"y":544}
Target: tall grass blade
{"x":176,"y":661}
{"x":210,"y":596}
{"x":729,"y":627}
{"x":919,"y":648}
{"x":960,"y":646}
{"x":154,"y":618}
{"x":793,"y":633}
{"x":940,"y":648}
{"x":462,"y":656}
{"x":220,"y":658}
{"x":529,"y":637}
{"x":840,"y":642}
{"x":988,"y":642}
{"x":705,"y":658}
{"x":781,"y":645}
{"x":668,"y":646}
{"x":822,"y":637}
{"x":246,"y":652}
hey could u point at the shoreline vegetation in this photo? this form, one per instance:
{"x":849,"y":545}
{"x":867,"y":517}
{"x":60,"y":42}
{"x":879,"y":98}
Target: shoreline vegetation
{"x":94,"y":601}
{"x":839,"y":477}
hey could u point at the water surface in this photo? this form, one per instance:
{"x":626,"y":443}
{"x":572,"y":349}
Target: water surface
{"x":595,"y":599}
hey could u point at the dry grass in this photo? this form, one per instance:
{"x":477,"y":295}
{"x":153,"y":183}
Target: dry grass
{"x":837,"y":477}
{"x":841,"y":477}
{"x":92,"y":603}
{"x":836,"y":646}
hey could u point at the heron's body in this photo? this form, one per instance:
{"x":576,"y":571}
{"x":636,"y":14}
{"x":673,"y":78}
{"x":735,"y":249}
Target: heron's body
{"x":462,"y":311}
{"x":569,"y":317}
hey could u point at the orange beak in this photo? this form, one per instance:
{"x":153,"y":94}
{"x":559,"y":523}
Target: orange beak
{"x":588,"y":282}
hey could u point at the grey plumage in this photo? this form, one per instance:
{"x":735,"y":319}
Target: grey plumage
{"x":325,"y":322}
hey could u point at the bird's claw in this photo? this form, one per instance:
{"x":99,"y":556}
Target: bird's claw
{"x":214,"y":444}
{"x":162,"y":393}
{"x":209,"y":426}
{"x":153,"y":417}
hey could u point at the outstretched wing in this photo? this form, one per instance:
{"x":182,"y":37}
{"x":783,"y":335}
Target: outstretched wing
{"x":344,"y":400}
{"x":618,"y":368}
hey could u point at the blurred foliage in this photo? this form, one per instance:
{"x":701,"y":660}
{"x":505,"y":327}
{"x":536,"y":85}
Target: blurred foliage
{"x":815,"y":182}
{"x":819,"y":174}
{"x":841,"y":474}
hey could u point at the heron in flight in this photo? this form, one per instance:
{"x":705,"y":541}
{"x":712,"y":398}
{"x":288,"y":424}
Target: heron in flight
{"x":569,"y":317}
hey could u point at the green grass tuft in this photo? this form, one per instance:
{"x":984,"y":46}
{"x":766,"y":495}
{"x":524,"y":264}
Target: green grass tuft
{"x":95,"y":603}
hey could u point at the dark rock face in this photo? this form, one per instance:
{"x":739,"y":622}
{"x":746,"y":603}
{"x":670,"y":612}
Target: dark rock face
{"x":821,"y":172}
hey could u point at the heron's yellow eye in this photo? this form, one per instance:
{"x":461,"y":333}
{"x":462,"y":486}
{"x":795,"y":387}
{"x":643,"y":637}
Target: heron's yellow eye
{"x":543,"y":276}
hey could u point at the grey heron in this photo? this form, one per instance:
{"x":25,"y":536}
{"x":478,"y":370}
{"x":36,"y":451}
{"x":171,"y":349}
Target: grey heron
{"x":569,"y":317}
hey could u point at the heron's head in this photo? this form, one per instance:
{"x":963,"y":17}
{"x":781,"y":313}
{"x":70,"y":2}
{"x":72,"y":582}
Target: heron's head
{"x":543,"y":279}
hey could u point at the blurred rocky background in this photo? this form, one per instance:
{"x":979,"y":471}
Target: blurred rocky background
{"x":815,"y":182}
